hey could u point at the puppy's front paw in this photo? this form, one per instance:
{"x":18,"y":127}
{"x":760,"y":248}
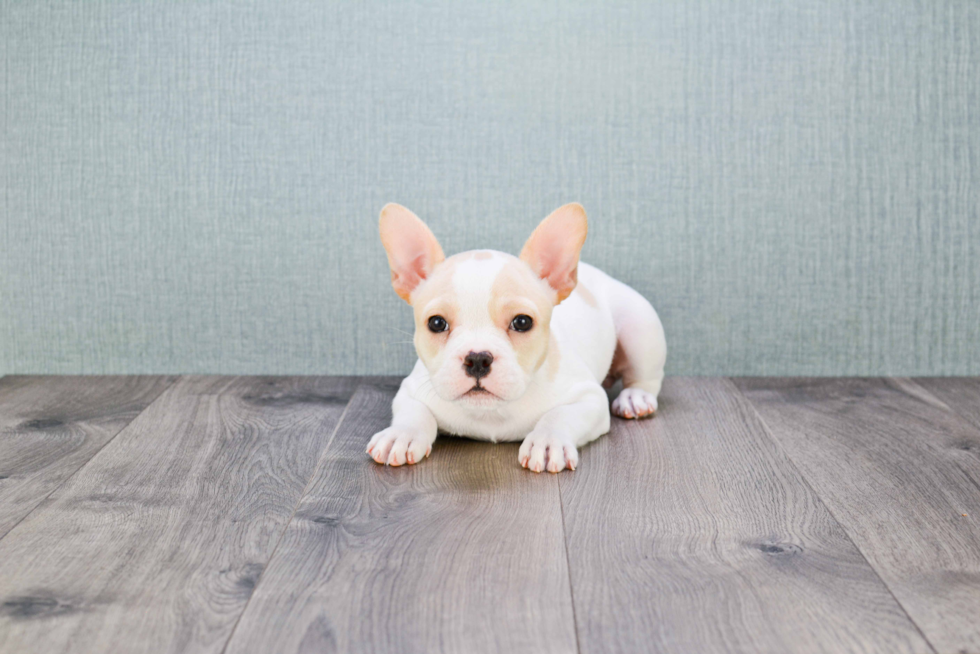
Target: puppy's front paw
{"x":544,"y":452}
{"x":397,"y":446}
{"x":634,"y":403}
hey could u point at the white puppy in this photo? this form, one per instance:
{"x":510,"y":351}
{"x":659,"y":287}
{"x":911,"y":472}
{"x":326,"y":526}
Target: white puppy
{"x":516,"y":348}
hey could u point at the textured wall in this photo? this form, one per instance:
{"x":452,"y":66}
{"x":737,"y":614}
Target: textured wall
{"x":194,"y":187}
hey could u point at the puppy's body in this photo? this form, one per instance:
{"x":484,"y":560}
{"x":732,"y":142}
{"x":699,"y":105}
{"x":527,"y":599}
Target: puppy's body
{"x":486,"y":377}
{"x":579,"y":359}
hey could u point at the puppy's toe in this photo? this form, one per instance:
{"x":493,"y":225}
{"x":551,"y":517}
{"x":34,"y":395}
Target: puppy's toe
{"x":538,"y":457}
{"x":634,"y":403}
{"x":524,"y":454}
{"x":571,"y":456}
{"x":417,"y":450}
{"x":380,"y":446}
{"x":399,"y":453}
{"x":556,"y":460}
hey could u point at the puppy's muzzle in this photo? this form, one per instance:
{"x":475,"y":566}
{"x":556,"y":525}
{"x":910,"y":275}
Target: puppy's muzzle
{"x":477,"y":364}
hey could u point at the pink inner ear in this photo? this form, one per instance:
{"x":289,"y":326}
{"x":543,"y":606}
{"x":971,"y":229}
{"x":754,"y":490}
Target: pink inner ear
{"x":553,"y":249}
{"x":562,"y":279}
{"x":412,"y":249}
{"x":406,"y":277}
{"x":560,"y":270}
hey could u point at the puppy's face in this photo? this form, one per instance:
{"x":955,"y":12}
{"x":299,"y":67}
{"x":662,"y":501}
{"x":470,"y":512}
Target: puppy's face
{"x":482,"y":318}
{"x":482,"y":326}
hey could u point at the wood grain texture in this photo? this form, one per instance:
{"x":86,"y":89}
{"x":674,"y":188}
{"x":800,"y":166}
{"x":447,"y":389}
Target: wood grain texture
{"x":51,"y":426}
{"x":900,"y":472}
{"x":461,"y":553}
{"x":157,"y":544}
{"x":692,"y":532}
{"x":960,"y":394}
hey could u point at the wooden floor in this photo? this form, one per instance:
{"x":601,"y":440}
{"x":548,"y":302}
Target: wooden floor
{"x":220,"y":514}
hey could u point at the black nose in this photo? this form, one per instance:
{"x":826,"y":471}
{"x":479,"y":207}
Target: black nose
{"x":477,"y":364}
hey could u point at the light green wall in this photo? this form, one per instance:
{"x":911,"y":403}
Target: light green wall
{"x":192,"y":187}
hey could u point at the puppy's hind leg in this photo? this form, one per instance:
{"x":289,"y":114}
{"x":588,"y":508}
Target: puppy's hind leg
{"x":641,"y":351}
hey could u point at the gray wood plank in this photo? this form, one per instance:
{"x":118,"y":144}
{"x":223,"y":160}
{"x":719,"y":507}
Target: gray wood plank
{"x":960,"y":394}
{"x":899,"y":470}
{"x":157,"y":544}
{"x":461,"y":553}
{"x":693,"y":532}
{"x":51,"y":426}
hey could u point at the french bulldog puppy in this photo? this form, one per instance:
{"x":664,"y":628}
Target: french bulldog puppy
{"x":516,"y":348}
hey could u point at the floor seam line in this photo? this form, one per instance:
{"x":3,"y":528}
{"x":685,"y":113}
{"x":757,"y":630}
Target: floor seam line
{"x":285,"y":527}
{"x":89,"y":460}
{"x":769,"y":433}
{"x":568,"y":565}
{"x":947,"y":407}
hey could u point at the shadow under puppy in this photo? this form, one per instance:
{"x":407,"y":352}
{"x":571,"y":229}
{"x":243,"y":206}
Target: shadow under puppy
{"x":515,"y":348}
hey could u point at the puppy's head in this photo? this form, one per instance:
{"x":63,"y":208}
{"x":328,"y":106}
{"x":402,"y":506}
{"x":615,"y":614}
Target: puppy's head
{"x":482,"y":318}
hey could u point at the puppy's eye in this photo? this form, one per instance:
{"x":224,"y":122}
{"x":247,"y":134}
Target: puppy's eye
{"x":521,"y":323}
{"x":438,"y":324}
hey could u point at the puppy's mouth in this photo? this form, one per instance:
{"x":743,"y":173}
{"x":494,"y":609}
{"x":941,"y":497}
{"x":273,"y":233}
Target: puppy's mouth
{"x":478,"y":391}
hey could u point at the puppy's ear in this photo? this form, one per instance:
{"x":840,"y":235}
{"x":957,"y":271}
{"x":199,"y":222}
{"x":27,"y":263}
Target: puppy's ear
{"x":412,"y":249}
{"x":553,"y":249}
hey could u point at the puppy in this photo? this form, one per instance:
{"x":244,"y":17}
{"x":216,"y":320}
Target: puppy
{"x":516,"y":348}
